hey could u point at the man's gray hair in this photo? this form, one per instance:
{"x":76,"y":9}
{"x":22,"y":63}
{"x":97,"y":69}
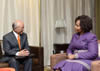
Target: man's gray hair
{"x":14,"y":25}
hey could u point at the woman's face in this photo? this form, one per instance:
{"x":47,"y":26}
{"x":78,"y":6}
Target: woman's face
{"x":78,"y":27}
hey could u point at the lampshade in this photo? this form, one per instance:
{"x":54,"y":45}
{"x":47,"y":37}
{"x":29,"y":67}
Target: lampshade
{"x":60,"y":24}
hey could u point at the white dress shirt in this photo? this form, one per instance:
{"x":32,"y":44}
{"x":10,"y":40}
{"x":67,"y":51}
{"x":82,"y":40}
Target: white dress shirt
{"x":16,"y":35}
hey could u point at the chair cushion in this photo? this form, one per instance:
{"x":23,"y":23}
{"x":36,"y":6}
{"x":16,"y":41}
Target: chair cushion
{"x":35,"y":61}
{"x":7,"y":69}
{"x":2,"y":64}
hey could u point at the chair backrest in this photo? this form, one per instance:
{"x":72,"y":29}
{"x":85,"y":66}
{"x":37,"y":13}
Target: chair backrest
{"x":1,"y":45}
{"x":98,"y":48}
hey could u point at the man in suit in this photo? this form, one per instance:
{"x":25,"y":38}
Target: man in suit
{"x":15,"y":45}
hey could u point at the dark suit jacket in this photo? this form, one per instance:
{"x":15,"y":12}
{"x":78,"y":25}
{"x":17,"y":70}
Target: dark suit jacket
{"x":10,"y":44}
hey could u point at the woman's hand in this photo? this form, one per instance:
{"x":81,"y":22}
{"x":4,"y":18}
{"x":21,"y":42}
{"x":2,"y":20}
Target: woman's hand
{"x":71,"y":56}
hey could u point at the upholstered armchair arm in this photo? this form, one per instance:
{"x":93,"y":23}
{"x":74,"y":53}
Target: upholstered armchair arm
{"x":95,"y":65}
{"x":55,"y":58}
{"x":7,"y":69}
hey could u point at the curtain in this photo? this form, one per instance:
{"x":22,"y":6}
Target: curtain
{"x":53,"y":10}
{"x":47,"y":28}
{"x":97,"y":13}
{"x":26,"y":10}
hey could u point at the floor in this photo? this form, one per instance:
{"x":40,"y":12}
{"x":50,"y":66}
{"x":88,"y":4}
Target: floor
{"x":47,"y":68}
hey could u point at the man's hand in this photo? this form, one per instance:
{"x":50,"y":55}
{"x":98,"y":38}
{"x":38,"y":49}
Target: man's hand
{"x":71,"y":56}
{"x":24,"y":52}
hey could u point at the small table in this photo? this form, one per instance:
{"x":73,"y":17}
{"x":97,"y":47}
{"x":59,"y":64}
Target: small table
{"x":60,"y":48}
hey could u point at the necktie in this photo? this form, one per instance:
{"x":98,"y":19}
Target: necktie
{"x":18,"y":38}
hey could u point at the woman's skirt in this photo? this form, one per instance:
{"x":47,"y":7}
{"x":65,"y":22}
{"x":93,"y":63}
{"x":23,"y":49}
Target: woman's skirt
{"x":73,"y":65}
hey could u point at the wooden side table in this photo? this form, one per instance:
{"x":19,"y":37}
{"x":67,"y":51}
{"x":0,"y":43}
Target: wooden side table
{"x":60,"y":48}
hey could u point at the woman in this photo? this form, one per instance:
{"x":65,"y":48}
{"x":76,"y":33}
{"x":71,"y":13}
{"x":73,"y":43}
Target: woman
{"x":83,"y":47}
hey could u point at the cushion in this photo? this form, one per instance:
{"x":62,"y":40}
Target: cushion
{"x":3,"y":64}
{"x":7,"y":69}
{"x":98,"y":49}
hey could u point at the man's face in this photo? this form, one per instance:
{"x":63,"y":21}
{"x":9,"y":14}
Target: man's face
{"x":20,"y":28}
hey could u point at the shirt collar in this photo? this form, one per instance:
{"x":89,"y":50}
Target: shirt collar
{"x":16,"y":35}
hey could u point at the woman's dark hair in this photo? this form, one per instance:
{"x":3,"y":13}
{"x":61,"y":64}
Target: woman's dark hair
{"x":85,"y":23}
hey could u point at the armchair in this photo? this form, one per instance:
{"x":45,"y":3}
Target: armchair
{"x":58,"y":55}
{"x":38,"y":64}
{"x":95,"y":66}
{"x":7,"y":69}
{"x":55,"y":58}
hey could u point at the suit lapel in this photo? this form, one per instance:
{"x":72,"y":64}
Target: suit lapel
{"x":21,"y":39}
{"x":14,"y":38}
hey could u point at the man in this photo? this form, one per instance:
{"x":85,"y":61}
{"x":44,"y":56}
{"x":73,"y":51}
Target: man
{"x":16,"y":47}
